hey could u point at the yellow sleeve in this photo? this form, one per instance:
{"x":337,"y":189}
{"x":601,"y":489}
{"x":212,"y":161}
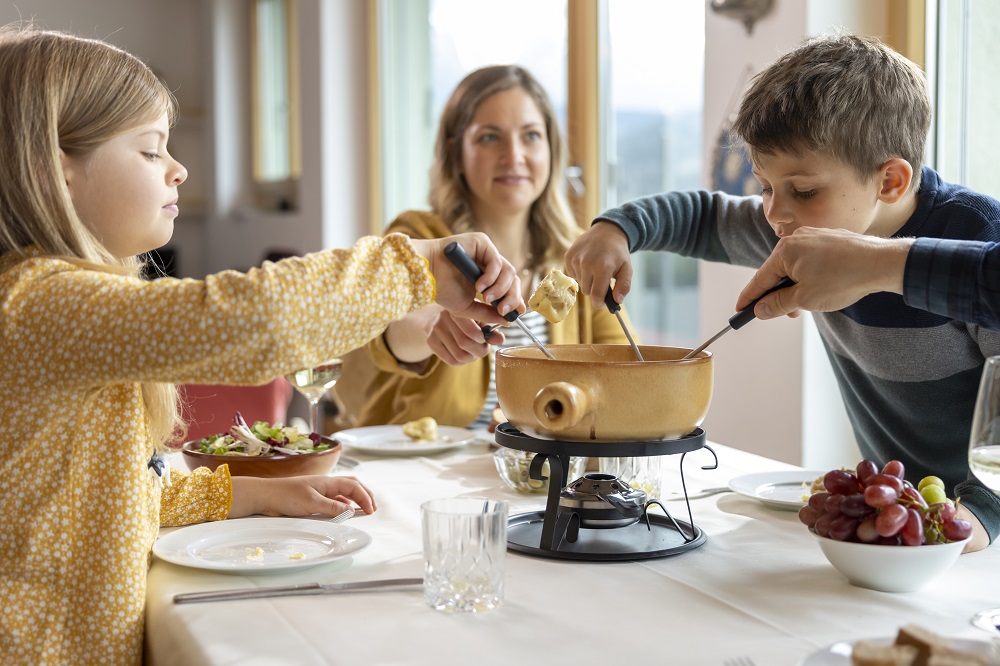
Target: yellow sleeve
{"x":196,"y":497}
{"x":230,"y":328}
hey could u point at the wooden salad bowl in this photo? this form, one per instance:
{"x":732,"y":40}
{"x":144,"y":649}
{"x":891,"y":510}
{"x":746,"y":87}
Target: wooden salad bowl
{"x":276,"y":465}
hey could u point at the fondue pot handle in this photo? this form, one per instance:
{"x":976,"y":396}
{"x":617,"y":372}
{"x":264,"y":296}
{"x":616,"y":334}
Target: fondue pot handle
{"x":561,"y":405}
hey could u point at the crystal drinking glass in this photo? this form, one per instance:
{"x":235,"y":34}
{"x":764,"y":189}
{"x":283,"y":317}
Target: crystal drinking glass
{"x":313,"y":383}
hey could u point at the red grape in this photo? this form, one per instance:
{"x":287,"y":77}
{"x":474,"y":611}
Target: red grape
{"x":887,"y":480}
{"x":843,"y":528}
{"x":890,"y":520}
{"x":832,"y":504}
{"x":894,"y":468}
{"x":945,"y":511}
{"x":880,"y":496}
{"x":957,"y":529}
{"x":818,"y":502}
{"x":865,"y":470}
{"x":866,"y":530}
{"x":912,"y":494}
{"x":840,"y":482}
{"x":912,"y":532}
{"x":808,"y":515}
{"x":822,"y":525}
{"x":855,"y":506}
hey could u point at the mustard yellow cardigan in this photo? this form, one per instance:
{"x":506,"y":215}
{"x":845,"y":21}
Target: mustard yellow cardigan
{"x":377,"y":390}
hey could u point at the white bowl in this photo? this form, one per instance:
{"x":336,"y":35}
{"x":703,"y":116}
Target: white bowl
{"x":890,"y":568}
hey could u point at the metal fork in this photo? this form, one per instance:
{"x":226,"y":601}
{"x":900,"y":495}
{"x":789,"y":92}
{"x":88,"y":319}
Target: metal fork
{"x":342,"y":516}
{"x":738,"y":661}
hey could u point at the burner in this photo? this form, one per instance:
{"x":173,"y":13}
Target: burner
{"x":598,"y":517}
{"x":602,"y":501}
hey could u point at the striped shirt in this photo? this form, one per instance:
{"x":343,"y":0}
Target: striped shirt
{"x":513,"y":337}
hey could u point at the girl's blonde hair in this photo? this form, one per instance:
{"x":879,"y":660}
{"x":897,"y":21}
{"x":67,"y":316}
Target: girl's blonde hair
{"x":551,"y":226}
{"x":60,"y":92}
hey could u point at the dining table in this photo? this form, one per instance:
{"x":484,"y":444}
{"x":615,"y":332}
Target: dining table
{"x":758,"y":588}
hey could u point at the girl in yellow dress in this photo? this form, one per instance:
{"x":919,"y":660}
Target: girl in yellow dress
{"x":91,"y":351}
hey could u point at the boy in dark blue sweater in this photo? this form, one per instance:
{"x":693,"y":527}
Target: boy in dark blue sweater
{"x":836,"y":132}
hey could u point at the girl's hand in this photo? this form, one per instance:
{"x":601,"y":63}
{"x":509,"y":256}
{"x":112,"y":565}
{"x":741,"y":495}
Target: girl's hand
{"x":298,"y":496}
{"x":455,"y":293}
{"x":598,"y":256}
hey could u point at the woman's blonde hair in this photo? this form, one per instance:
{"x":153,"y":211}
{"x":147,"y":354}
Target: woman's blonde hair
{"x":551,"y":226}
{"x":60,"y":92}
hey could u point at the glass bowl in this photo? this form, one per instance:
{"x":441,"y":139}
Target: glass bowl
{"x":512,"y":466}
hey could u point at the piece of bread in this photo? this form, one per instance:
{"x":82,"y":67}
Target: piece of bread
{"x":421,"y":430}
{"x":955,"y":657}
{"x":871,"y":653}
{"x":554,"y":296}
{"x":923,"y":639}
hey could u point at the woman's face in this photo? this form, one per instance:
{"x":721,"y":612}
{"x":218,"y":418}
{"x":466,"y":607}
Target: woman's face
{"x":506,"y":158}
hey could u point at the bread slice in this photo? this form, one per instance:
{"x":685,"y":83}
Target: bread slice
{"x":872,"y":653}
{"x":924,"y":640}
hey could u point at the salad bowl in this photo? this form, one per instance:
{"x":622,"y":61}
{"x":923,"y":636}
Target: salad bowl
{"x":275,"y":464}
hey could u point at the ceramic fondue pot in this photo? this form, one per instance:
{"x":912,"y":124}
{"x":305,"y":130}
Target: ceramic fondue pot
{"x":601,"y":392}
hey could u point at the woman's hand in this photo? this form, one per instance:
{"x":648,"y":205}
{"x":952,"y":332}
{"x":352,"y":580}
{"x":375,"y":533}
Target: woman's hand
{"x":455,"y":293}
{"x":298,"y":496}
{"x":598,"y":256}
{"x":457,"y":341}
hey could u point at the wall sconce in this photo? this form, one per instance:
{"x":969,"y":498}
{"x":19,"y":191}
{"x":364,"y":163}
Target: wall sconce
{"x":747,"y":11}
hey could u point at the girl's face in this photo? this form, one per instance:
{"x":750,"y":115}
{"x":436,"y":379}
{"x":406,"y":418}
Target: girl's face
{"x":506,"y":159}
{"x":125,"y":191}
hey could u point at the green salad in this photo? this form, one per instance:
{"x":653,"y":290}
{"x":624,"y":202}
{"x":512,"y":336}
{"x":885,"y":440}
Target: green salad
{"x":261,"y":439}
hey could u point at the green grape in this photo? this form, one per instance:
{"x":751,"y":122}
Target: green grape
{"x":933,"y":494}
{"x":930,"y":481}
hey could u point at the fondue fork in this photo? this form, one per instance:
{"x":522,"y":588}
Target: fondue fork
{"x":741,"y":318}
{"x":464,"y":263}
{"x":616,"y":309}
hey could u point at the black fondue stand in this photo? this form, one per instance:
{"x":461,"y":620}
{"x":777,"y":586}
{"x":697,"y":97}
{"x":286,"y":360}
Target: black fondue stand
{"x":556,"y":531}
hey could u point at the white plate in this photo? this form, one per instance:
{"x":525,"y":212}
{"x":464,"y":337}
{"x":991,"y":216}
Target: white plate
{"x":390,"y":440}
{"x":781,"y":490}
{"x":230,"y":546}
{"x":839,"y":654}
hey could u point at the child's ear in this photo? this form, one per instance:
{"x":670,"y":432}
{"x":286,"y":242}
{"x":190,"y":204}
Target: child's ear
{"x":895,"y":177}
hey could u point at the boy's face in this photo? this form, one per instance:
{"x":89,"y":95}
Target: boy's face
{"x":814,"y":190}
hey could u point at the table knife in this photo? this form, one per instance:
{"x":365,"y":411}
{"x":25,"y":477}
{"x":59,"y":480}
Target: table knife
{"x":293,"y":590}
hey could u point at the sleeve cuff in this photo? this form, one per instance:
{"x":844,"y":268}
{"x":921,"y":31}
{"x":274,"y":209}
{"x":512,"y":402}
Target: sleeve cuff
{"x":983,"y":503}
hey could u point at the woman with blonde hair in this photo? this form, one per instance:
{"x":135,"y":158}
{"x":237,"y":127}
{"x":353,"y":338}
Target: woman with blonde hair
{"x":91,"y":351}
{"x":498,"y":169}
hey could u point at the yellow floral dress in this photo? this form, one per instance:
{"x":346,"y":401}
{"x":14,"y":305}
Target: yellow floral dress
{"x":79,"y":510}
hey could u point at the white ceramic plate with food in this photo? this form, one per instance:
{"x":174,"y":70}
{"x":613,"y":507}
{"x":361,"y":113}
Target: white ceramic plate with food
{"x":781,"y":490}
{"x":260,"y":545}
{"x":839,"y":654}
{"x":390,"y":440}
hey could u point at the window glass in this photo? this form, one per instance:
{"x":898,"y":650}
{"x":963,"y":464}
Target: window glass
{"x":428,"y":47}
{"x":967,"y":97}
{"x":272,"y":92}
{"x":654,"y":144}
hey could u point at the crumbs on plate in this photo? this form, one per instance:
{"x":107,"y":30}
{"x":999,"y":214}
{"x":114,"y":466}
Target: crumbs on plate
{"x":255,"y":554}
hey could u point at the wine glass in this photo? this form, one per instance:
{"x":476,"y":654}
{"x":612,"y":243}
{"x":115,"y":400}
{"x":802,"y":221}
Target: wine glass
{"x":313,"y":383}
{"x":984,"y":455}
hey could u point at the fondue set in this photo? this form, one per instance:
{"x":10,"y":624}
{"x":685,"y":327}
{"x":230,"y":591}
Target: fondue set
{"x":599,"y":400}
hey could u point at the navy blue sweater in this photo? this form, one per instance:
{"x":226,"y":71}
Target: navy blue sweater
{"x":908,"y":366}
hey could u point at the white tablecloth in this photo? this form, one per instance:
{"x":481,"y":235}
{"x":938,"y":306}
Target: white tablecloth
{"x":759,"y":587}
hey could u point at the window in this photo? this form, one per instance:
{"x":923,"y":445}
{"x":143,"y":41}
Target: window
{"x":428,"y":46}
{"x":654,"y":144}
{"x":966,"y":69}
{"x":276,"y":160}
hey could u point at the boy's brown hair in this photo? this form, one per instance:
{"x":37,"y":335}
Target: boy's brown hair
{"x":850,"y":97}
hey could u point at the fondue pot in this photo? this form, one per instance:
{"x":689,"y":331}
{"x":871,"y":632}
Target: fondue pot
{"x":602,"y":393}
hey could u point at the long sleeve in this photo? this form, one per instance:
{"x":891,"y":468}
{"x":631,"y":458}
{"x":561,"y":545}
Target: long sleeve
{"x":956,"y":278}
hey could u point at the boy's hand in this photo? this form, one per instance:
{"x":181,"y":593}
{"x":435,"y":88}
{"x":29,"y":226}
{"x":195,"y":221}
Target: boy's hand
{"x":832,"y":269}
{"x":455,"y":293}
{"x":598,"y":256}
{"x":980,"y":539}
{"x":298,"y":496}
